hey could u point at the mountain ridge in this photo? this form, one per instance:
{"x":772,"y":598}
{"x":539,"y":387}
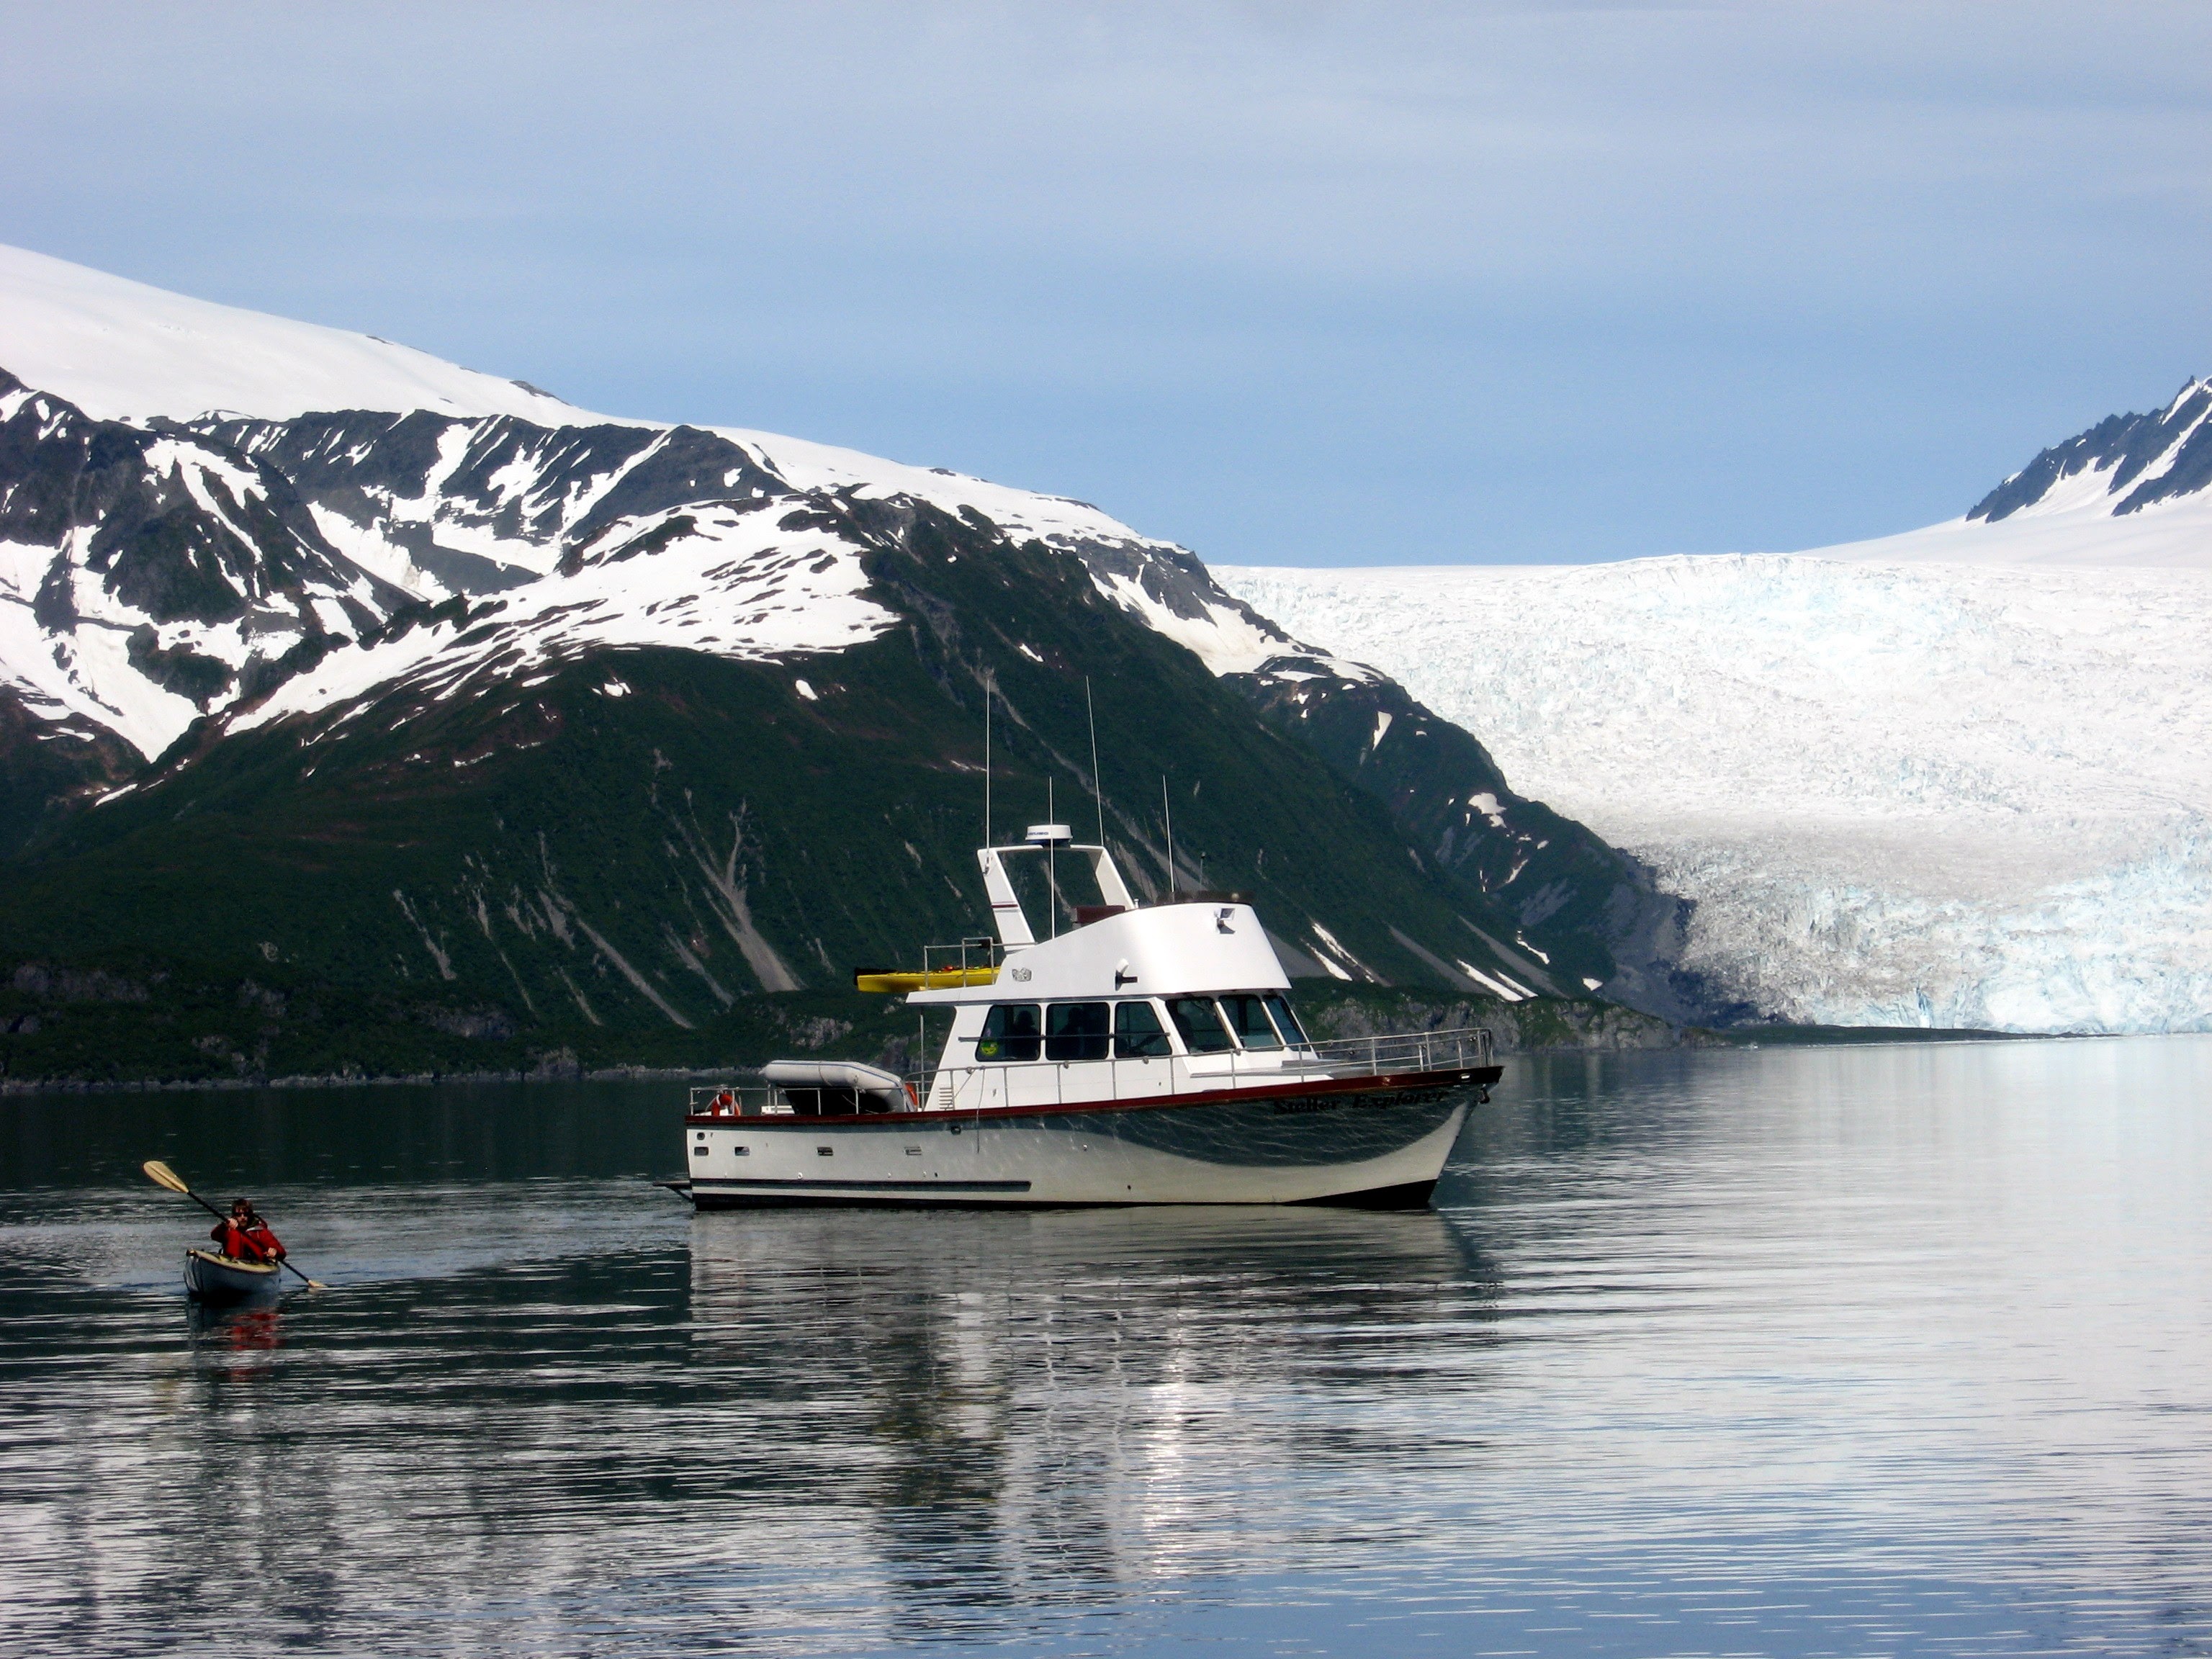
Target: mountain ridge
{"x":590,"y":721}
{"x":2140,"y":460}
{"x":2132,"y":491}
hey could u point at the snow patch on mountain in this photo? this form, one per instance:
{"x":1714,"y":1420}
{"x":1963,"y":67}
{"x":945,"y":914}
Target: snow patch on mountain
{"x":2134,"y":491}
{"x":1923,"y":795}
{"x":2124,"y":463}
{"x":439,"y":482}
{"x":1057,"y":520}
{"x":726,"y":585}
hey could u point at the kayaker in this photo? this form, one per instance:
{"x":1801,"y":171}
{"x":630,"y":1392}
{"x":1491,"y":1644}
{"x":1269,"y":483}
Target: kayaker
{"x":245,"y":1237}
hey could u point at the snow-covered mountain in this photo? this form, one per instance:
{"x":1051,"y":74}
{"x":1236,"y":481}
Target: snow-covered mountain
{"x":372,"y":624}
{"x":283,"y":533}
{"x":2134,"y":491}
{"x":1961,"y":777}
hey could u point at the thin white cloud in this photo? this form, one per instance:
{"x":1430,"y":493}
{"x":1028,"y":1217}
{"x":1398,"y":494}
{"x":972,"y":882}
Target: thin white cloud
{"x":1488,"y":257}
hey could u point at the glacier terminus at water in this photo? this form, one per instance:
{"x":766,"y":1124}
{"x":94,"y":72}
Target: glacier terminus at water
{"x":1959,"y":777}
{"x":1942,"y":795}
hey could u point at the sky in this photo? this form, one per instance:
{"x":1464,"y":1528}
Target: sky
{"x":1289,"y":283}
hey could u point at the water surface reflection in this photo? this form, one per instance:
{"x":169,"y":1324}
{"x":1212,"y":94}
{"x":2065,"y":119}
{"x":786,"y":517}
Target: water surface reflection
{"x":1804,"y":1352}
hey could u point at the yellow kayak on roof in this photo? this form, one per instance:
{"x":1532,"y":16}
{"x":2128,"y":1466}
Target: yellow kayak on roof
{"x":886,"y":980}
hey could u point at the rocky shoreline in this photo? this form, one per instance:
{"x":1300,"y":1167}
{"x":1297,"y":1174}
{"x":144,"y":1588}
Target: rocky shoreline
{"x":1543,"y":1025}
{"x":1540,"y":1025}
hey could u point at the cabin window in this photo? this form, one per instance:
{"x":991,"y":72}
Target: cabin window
{"x":1199,"y":1023}
{"x":1288,"y":1022}
{"x":1075,"y":1030}
{"x":1137,"y":1033}
{"x":1247,"y":1017}
{"x":1010,"y":1032}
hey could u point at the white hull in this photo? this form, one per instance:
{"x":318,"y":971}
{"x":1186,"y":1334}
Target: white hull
{"x":1380,"y":1148}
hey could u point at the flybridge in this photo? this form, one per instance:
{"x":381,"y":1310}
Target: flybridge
{"x":977,"y":961}
{"x":1007,"y":911}
{"x":1197,"y":945}
{"x":1211,"y":918}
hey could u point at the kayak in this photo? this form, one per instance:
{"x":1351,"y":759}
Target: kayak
{"x":212,"y":1277}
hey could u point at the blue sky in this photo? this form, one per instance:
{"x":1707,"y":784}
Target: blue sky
{"x":1289,"y":283}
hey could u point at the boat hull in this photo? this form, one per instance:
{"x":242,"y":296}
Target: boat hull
{"x":212,"y":1277}
{"x":1381,"y":1144}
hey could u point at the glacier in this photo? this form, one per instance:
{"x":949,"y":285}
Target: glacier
{"x":1936,"y":795}
{"x":1958,"y":777}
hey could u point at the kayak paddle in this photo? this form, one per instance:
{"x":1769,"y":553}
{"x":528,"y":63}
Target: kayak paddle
{"x":162,"y":1175}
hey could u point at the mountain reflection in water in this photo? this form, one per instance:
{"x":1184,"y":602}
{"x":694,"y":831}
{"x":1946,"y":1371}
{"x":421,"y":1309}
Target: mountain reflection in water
{"x":1894,"y":1350}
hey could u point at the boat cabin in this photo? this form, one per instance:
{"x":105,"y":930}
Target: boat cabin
{"x":1175,"y":999}
{"x":1164,"y":999}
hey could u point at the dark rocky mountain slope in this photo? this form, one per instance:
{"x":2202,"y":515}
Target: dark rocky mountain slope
{"x":2124,"y":463}
{"x":415,"y":738}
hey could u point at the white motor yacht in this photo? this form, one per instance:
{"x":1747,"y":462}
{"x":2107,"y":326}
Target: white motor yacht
{"x":1146,"y":1055}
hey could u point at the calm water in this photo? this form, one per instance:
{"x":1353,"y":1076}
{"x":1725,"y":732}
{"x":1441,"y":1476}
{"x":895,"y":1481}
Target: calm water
{"x":1901,"y":1350}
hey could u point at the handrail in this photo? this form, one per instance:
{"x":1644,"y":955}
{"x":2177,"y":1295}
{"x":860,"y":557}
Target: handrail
{"x":739,"y":1100}
{"x":1366,"y":1056}
{"x":1335,"y":1057}
{"x":975,"y":955}
{"x":1422,"y":1050}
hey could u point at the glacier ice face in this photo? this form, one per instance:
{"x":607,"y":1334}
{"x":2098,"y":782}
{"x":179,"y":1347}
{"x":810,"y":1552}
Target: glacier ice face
{"x":1903,"y":794}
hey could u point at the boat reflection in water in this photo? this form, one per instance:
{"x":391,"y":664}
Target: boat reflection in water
{"x":237,"y":1342}
{"x":1011,"y":1400}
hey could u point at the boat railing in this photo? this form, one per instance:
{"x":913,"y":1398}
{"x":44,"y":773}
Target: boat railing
{"x":961,"y":1087}
{"x":1047,"y":1081}
{"x":739,"y":1100}
{"x":1404,"y":1051}
{"x":970,"y":955}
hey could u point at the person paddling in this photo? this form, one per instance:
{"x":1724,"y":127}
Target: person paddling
{"x":243,"y":1236}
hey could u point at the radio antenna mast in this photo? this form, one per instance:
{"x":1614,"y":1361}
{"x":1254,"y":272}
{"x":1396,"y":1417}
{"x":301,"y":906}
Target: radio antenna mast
{"x":986,"y":757}
{"x":1098,"y":793}
{"x":1168,"y":811}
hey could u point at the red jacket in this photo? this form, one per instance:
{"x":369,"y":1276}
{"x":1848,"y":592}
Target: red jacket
{"x":252,"y":1242}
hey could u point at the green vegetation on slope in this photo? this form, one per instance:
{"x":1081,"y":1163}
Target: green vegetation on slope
{"x":616,"y":856}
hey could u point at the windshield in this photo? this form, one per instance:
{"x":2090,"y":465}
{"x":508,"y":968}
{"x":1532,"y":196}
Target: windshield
{"x":1248,"y":1019}
{"x":1288,"y":1022}
{"x":1200,"y":1026}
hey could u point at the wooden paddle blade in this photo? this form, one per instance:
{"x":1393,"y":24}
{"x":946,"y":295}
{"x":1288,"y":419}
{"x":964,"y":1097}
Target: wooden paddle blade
{"x":162,"y":1175}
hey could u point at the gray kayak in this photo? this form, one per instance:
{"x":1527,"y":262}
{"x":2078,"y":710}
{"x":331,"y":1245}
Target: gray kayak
{"x":212,"y":1277}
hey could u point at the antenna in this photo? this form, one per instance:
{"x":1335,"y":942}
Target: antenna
{"x":1051,"y":869}
{"x":1097,"y":795}
{"x":986,"y":757}
{"x":1170,"y":812}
